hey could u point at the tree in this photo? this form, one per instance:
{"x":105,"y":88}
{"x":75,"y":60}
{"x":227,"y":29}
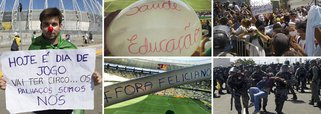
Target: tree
{"x":245,"y":62}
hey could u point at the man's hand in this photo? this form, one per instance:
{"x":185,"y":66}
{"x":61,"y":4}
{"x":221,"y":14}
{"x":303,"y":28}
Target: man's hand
{"x":96,"y":77}
{"x":3,"y":83}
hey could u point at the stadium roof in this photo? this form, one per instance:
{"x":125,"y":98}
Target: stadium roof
{"x":197,"y":5}
{"x":40,"y":4}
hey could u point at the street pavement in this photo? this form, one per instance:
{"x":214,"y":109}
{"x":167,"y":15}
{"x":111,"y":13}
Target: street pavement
{"x":222,"y":105}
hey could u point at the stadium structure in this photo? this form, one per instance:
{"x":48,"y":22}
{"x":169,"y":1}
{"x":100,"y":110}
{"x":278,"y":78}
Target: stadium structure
{"x":88,"y":19}
{"x":79,"y":17}
{"x":189,"y":98}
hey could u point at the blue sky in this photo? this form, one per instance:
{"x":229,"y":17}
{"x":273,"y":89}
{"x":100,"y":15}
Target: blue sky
{"x":39,"y":4}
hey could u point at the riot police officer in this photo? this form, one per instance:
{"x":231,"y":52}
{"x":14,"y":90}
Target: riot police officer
{"x":238,"y":85}
{"x":301,"y":77}
{"x":282,"y":88}
{"x":257,"y":75}
{"x":315,"y":83}
{"x":292,"y":80}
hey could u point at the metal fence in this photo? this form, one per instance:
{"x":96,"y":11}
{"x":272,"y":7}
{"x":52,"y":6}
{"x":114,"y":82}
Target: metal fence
{"x":240,"y":47}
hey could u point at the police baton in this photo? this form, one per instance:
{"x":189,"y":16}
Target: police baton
{"x":232,"y":99}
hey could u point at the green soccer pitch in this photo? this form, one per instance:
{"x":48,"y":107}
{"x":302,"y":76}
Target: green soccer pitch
{"x":154,"y":104}
{"x":197,"y":5}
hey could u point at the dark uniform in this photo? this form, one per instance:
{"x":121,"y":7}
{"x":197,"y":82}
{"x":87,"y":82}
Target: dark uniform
{"x":291,"y":82}
{"x":282,"y":88}
{"x":315,"y":84}
{"x":257,"y":75}
{"x":238,"y":84}
{"x":301,"y":77}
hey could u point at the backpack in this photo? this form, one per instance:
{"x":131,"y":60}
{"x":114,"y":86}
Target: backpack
{"x":14,"y":46}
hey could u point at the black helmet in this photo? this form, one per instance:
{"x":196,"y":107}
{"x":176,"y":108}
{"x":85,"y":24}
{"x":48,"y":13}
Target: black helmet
{"x":313,"y":61}
{"x":284,"y":68}
{"x":221,"y":36}
{"x":233,"y":70}
{"x":287,"y":62}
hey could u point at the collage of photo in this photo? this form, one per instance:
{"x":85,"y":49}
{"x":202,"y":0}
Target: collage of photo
{"x":156,"y":56}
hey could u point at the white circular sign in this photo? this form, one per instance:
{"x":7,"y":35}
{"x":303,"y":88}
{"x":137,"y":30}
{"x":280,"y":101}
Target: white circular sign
{"x":154,"y":27}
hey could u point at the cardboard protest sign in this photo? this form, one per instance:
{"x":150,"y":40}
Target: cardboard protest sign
{"x":261,"y":7}
{"x":154,"y":27}
{"x":48,"y":79}
{"x":141,"y":86}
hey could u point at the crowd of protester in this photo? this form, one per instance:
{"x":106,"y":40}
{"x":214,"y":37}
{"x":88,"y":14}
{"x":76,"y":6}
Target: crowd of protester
{"x":204,"y":13}
{"x":280,"y":33}
{"x":205,"y":48}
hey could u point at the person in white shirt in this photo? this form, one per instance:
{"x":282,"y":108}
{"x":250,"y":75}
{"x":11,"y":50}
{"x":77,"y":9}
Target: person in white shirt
{"x":293,"y":17}
{"x":256,"y":40}
{"x":297,"y":41}
{"x":303,"y":15}
{"x":242,"y":30}
{"x":299,"y":33}
{"x":313,"y":31}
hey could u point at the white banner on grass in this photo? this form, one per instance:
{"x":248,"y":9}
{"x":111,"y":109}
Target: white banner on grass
{"x":49,"y":79}
{"x":149,"y":84}
{"x":261,"y":7}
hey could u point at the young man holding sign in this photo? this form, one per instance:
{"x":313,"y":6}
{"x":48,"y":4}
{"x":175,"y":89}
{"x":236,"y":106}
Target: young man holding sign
{"x":51,"y":19}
